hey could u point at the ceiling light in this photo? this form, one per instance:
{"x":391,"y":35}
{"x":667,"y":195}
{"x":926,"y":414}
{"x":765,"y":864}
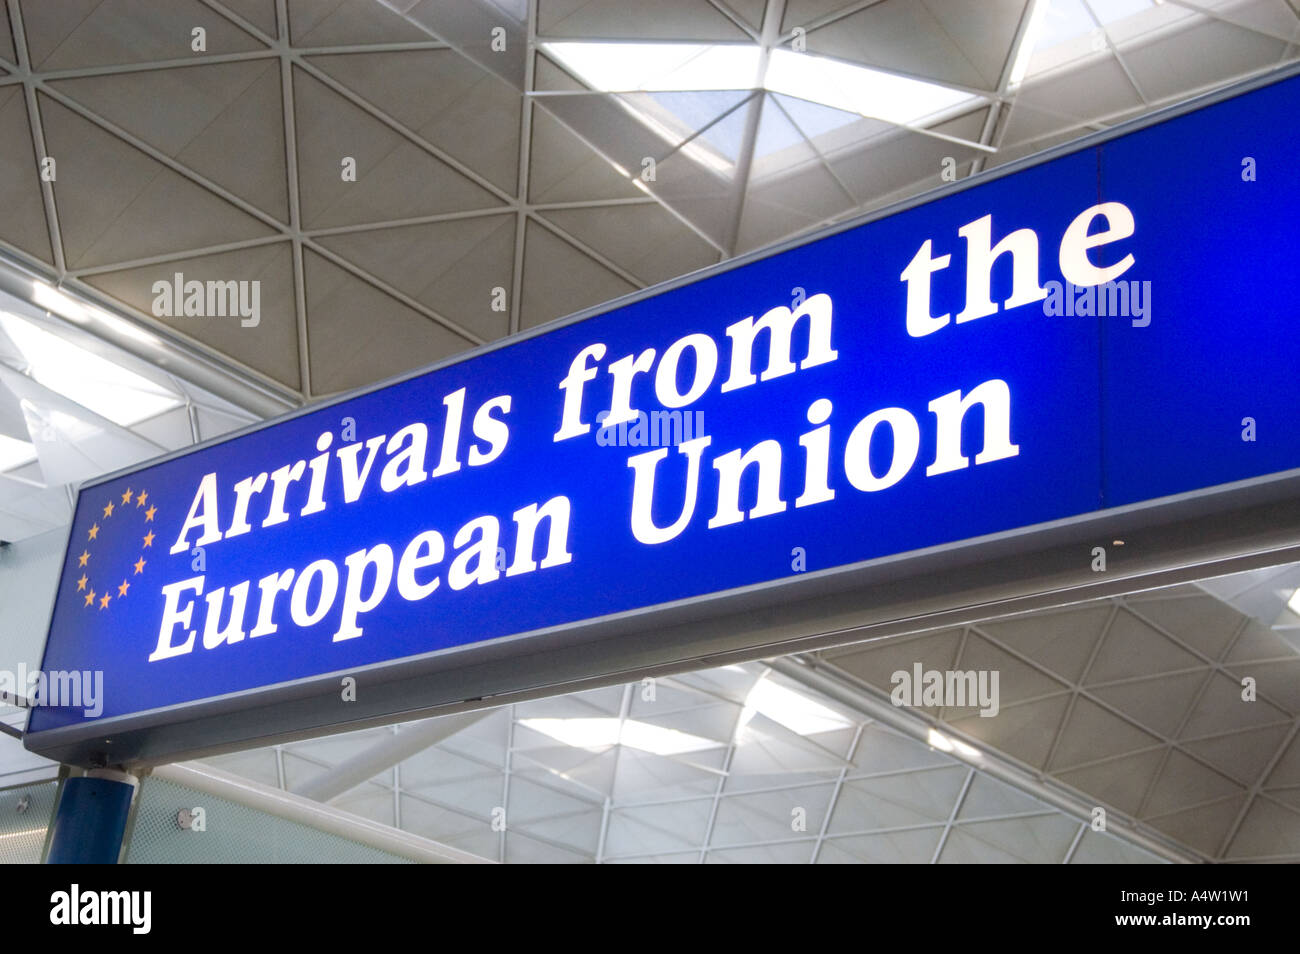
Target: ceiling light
{"x":601,"y":733}
{"x":15,"y":453}
{"x":791,"y":709}
{"x":1293,"y":604}
{"x":111,"y":391}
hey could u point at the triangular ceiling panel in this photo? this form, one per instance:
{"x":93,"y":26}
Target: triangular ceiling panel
{"x":1279,"y":682}
{"x":884,"y":750}
{"x":73,"y":34}
{"x":901,"y":847}
{"x":1269,"y":829}
{"x":453,"y":267}
{"x":801,"y":13}
{"x":259,"y":13}
{"x":895,"y":801}
{"x":1061,"y":642}
{"x":903,"y":35}
{"x":563,"y":168}
{"x":492,"y":33}
{"x":23,"y":224}
{"x":989,"y":798}
{"x":1119,"y":783}
{"x":1018,"y":681}
{"x":560,"y":280}
{"x":1023,"y":732}
{"x":7,"y":51}
{"x":269,"y":347}
{"x":751,"y":11}
{"x":1221,"y":708}
{"x":612,"y":128}
{"x":1185,"y":782}
{"x":1242,"y":755}
{"x":117,"y":204}
{"x":1160,"y":704}
{"x":685,"y":20}
{"x":779,"y":206}
{"x":1134,"y":648}
{"x":1163,"y":68}
{"x":875,"y":663}
{"x":358,"y":334}
{"x":1058,"y":101}
{"x":1041,"y":839}
{"x":646,"y":240}
{"x":1287,"y":770}
{"x":985,"y":32}
{"x":1202,"y":622}
{"x":898,"y":158}
{"x":223,"y":120}
{"x":1093,"y":733}
{"x":642,"y":776}
{"x":1202,"y":827}
{"x":460,"y":108}
{"x":317,"y":23}
{"x":1256,"y":643}
{"x":395,"y":179}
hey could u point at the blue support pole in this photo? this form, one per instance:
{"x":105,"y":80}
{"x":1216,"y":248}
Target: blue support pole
{"x":90,"y":820}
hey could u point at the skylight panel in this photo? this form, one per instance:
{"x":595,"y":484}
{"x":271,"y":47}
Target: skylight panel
{"x":794,"y":710}
{"x":857,"y":89}
{"x":601,"y":733}
{"x":659,"y":67}
{"x":111,"y":391}
{"x":683,"y":67}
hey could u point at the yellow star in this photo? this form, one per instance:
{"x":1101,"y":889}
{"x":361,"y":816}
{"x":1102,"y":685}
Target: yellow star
{"x":81,"y":560}
{"x":139,"y":566}
{"x":126,"y":497}
{"x":104,"y":600}
{"x":148,"y":540}
{"x":94,"y":531}
{"x":121,"y":590}
{"x":140,"y":498}
{"x":148,"y":514}
{"x":108,"y":511}
{"x":81,"y":583}
{"x":90,"y":597}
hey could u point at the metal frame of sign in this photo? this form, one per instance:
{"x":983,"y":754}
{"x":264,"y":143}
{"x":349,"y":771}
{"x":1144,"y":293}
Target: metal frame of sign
{"x":1174,"y":539}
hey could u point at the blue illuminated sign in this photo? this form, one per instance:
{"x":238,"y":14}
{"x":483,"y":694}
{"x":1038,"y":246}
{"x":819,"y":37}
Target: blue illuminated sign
{"x":1111,"y":326}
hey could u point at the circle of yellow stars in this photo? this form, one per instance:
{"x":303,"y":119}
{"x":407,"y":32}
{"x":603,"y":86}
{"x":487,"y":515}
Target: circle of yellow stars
{"x":128,"y":498}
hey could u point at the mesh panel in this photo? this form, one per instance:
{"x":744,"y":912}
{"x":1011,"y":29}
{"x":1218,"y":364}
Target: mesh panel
{"x":25,"y":814}
{"x":235,"y":834}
